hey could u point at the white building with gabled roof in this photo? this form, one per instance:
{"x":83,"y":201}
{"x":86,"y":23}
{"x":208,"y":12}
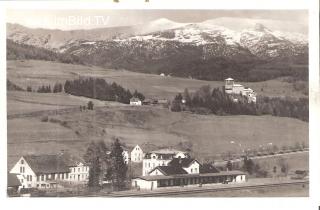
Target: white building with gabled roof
{"x":49,"y":171}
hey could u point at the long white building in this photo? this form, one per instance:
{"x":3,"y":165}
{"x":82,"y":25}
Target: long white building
{"x":49,"y":171}
{"x":181,"y":172}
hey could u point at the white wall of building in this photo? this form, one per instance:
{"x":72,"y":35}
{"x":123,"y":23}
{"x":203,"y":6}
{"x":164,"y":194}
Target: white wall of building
{"x":149,"y":164}
{"x":29,"y":179}
{"x":144,"y":184}
{"x":125,"y":155}
{"x":136,"y":154}
{"x":193,"y":168}
{"x":241,"y":178}
{"x":79,"y":173}
{"x":135,"y":103}
{"x":24,"y":173}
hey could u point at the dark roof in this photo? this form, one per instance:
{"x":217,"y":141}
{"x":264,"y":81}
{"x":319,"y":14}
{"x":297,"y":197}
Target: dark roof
{"x":170,"y":170}
{"x":45,"y":164}
{"x":208,"y":168}
{"x":13,"y":180}
{"x":182,"y":162}
{"x":162,"y":177}
{"x":134,"y":99}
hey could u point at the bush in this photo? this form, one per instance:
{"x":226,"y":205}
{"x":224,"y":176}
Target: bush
{"x":45,"y":119}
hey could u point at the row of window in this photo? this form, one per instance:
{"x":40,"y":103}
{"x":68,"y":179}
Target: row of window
{"x":29,"y":178}
{"x":84,"y":169}
{"x":53,"y":176}
{"x":22,"y":169}
{"x":148,"y":164}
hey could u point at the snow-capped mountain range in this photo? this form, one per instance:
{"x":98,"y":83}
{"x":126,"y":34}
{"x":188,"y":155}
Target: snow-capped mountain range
{"x":164,"y":43}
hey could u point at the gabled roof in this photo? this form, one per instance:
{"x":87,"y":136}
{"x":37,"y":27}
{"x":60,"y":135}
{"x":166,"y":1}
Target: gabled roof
{"x":170,"y":170}
{"x":182,"y":162}
{"x":208,"y":168}
{"x":229,"y":79}
{"x":13,"y":180}
{"x":45,"y":164}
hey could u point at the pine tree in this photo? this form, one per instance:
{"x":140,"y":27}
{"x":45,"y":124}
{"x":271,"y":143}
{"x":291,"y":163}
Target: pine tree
{"x":118,"y":166}
{"x":92,"y":157}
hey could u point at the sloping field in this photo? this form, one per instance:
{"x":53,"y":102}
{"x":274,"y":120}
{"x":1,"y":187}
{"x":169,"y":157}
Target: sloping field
{"x":19,"y":102}
{"x":209,"y":135}
{"x":36,"y":73}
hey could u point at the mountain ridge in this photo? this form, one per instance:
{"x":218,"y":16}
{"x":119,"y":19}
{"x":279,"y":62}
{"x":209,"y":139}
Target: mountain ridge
{"x":200,"y":50}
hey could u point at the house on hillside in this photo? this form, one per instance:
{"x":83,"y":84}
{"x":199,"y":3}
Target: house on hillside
{"x":135,"y":101}
{"x":185,"y":172}
{"x":49,"y":171}
{"x":231,"y":88}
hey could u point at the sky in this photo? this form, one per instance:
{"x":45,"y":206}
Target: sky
{"x":88,"y":19}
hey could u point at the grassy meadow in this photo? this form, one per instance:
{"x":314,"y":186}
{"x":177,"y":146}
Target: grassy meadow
{"x":35,"y":124}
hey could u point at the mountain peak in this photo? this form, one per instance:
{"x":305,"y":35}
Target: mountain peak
{"x":162,"y":21}
{"x":260,"y":27}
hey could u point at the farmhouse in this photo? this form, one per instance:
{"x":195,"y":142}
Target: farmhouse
{"x":135,"y":102}
{"x":49,"y":171}
{"x":238,"y":89}
{"x":185,"y":172}
{"x":160,"y":158}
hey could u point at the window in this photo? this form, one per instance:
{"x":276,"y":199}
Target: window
{"x":22,"y":161}
{"x":42,"y":177}
{"x":191,"y":170}
{"x":78,"y":169}
{"x":62,"y":176}
{"x":67,"y":175}
{"x":21,"y":180}
{"x":27,"y":178}
{"x":195,"y":170}
{"x":30,"y":178}
{"x":38,"y":178}
{"x":149,"y":165}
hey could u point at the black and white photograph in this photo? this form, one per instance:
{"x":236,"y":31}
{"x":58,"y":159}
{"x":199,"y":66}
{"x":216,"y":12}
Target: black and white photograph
{"x":170,"y":103}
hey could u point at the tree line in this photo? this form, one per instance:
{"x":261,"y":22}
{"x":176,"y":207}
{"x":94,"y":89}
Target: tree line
{"x":99,"y":89}
{"x":106,"y":165}
{"x":17,"y":51}
{"x":216,"y":101}
{"x":57,"y":88}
